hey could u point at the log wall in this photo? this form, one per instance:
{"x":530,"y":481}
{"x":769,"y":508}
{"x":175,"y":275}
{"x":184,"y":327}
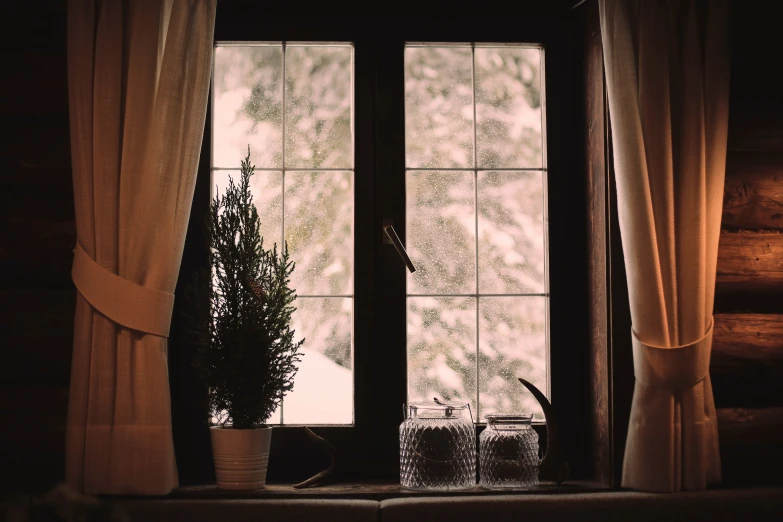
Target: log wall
{"x":747,"y":358}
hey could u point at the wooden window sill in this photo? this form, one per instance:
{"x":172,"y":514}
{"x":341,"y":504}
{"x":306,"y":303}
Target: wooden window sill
{"x":372,"y":490}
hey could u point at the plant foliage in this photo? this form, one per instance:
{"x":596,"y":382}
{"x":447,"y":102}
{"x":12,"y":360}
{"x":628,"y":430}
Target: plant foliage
{"x":247,"y":355}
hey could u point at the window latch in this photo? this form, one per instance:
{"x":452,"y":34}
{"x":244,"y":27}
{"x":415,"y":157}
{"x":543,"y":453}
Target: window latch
{"x":392,"y":237}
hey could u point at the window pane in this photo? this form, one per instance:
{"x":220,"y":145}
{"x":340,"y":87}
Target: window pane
{"x":295,"y":103}
{"x":323,"y":386}
{"x":267,"y":190}
{"x":512,"y":344}
{"x":441,"y":232}
{"x":248,"y":106}
{"x":438,"y":107}
{"x":319,"y":231}
{"x":508,"y":107}
{"x":511,"y":232}
{"x":318,"y":107}
{"x":493,"y":215}
{"x":442,"y":348}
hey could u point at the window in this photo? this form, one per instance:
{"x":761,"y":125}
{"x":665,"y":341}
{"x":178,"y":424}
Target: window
{"x":351,"y":123}
{"x":477,"y":306}
{"x":292,"y":106}
{"x":475,"y":200}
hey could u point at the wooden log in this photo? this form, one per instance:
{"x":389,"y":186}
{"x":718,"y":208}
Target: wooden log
{"x":750,"y":273}
{"x":37,"y":333}
{"x":747,"y":360}
{"x":755,"y":125}
{"x":39,"y":235}
{"x":35,"y":270}
{"x":40,"y":86}
{"x":751,"y":445}
{"x":35,"y":419}
{"x":34,"y":400}
{"x":753,"y":193}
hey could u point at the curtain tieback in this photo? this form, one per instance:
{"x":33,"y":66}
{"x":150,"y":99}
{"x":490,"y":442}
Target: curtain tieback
{"x":124,"y":302}
{"x":678,"y":367}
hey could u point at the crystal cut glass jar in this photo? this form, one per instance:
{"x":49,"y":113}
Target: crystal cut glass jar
{"x":438,"y":447}
{"x":509,"y":452}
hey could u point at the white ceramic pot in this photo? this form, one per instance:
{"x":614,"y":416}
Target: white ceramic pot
{"x":240,"y":456}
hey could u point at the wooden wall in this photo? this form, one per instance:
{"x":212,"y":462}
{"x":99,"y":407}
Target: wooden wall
{"x":38,"y":235}
{"x":747,"y":358}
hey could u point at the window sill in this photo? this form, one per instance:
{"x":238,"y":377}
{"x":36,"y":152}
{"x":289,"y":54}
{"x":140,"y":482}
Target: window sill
{"x":372,"y":490}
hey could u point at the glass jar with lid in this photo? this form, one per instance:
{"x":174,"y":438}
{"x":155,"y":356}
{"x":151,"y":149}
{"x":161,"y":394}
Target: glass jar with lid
{"x":509,"y":452}
{"x":438,"y":446}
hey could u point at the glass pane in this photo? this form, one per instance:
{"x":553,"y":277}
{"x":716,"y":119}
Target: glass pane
{"x":248,"y":108}
{"x":319,"y":231}
{"x":441,"y":232}
{"x":274,"y":419}
{"x":508,"y":107}
{"x":442,"y":348}
{"x":318,"y":107}
{"x":267,"y":190}
{"x":323,"y":386}
{"x":511,"y":232}
{"x":512,"y":344}
{"x":438,"y":107}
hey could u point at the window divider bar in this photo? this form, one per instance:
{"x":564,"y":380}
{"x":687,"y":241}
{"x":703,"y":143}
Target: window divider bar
{"x":313,"y":296}
{"x":287,"y":169}
{"x":471,"y":169}
{"x":475,"y":215}
{"x":282,"y":194}
{"x":471,"y":295}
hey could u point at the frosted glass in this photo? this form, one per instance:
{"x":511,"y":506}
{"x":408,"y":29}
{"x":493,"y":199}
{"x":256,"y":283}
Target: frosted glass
{"x":248,"y":106}
{"x":441,"y":232}
{"x":511,"y":232}
{"x":508,"y":107}
{"x":318,"y":107}
{"x":512,"y":344}
{"x":267,"y":190}
{"x":323,"y":386}
{"x":442,"y":349}
{"x":438,"y":107}
{"x":319,"y":231}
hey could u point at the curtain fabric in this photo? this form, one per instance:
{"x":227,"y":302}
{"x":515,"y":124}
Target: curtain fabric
{"x":138,"y":82}
{"x":667,"y":73}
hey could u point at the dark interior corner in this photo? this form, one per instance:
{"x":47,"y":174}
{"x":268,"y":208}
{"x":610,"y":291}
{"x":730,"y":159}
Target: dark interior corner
{"x":38,"y":237}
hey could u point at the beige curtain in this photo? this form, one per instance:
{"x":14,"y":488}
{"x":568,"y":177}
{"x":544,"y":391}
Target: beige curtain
{"x":138,"y":78}
{"x":667,"y":80}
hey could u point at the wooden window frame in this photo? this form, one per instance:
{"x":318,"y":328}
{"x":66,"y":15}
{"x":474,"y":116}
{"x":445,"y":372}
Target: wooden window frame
{"x":577,"y":380}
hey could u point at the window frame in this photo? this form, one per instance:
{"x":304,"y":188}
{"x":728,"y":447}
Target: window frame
{"x":380,"y":388}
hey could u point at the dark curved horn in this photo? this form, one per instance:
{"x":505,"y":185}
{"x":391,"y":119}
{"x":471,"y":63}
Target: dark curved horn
{"x":552,"y":466}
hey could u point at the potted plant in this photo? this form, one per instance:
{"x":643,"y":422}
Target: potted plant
{"x":246,"y":353}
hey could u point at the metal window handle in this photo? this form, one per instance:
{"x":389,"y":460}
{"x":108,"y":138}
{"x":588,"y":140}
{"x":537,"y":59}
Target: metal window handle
{"x":395,"y":240}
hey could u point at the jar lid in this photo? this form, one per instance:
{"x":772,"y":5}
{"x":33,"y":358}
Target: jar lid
{"x":509,"y":420}
{"x":440,"y":409}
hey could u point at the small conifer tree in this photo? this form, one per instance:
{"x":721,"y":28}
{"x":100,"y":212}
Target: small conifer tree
{"x":246,"y":353}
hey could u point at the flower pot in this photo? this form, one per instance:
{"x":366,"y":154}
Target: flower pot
{"x":240,"y":456}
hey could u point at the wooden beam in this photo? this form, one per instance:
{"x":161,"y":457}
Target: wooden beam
{"x":747,"y":360}
{"x":755,"y":125}
{"x":751,"y":445}
{"x":750,"y":273}
{"x":753,"y":193}
{"x":597,"y":244}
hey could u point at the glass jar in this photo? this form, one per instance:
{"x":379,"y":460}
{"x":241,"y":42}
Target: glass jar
{"x":509,"y":452}
{"x":438,"y":446}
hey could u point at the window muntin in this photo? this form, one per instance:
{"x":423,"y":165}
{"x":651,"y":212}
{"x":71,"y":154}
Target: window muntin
{"x":477,"y":306}
{"x":293,"y":105}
